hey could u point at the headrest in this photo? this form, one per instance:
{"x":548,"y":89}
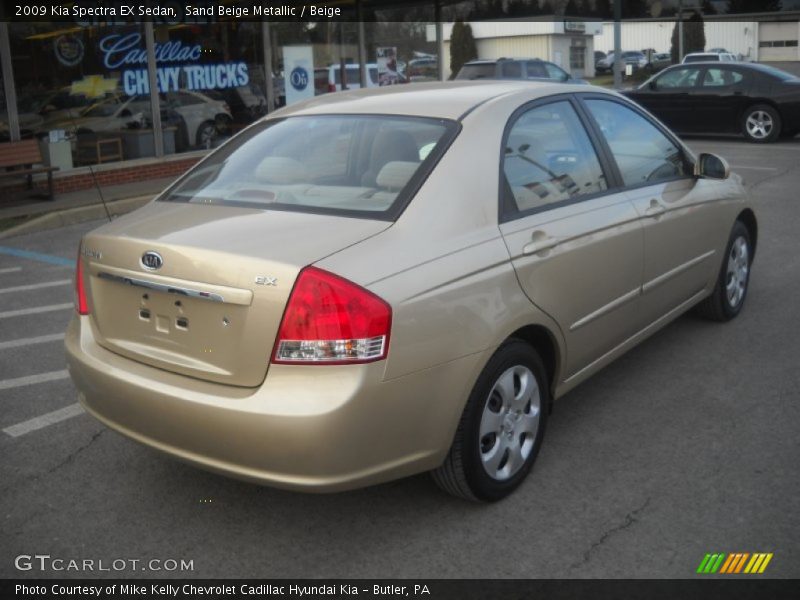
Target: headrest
{"x":396,"y":174}
{"x":282,"y":170}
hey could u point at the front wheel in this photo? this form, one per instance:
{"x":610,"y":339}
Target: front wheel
{"x":761,"y":123}
{"x":727,"y":299}
{"x":207,"y":134}
{"x":501,"y":429}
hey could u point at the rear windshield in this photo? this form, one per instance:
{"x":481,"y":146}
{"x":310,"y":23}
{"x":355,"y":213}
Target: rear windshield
{"x":701,"y":58}
{"x":775,"y":72}
{"x":482,"y":71}
{"x":353,"y":165}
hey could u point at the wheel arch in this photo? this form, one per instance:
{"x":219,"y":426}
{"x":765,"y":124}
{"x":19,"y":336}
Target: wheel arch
{"x":756,"y":101}
{"x":748,"y":218}
{"x":545,"y":343}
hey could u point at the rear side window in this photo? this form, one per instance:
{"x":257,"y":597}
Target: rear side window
{"x":512,"y":69}
{"x":548,"y":158}
{"x":536,"y":69}
{"x":642,"y":152}
{"x":678,"y":78}
{"x":718,"y":77}
{"x":354,"y":165}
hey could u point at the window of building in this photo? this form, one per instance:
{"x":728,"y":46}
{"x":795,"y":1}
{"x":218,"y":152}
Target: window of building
{"x":71,"y":81}
{"x":577,"y":57}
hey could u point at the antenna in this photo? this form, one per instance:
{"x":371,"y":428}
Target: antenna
{"x":91,"y":170}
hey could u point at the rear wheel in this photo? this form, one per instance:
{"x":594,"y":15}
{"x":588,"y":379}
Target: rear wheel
{"x":501,"y":429}
{"x":727,"y":299}
{"x":761,"y":123}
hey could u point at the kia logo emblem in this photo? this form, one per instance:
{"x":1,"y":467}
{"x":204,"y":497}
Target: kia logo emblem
{"x":152,"y":261}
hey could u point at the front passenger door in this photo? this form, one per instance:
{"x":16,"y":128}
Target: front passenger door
{"x":681,"y":230}
{"x":670,"y":98}
{"x":575,"y":244}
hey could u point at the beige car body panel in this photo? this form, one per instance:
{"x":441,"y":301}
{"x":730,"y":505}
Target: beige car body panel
{"x":458,"y":286}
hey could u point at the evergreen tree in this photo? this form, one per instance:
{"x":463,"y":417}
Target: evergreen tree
{"x":751,"y":6}
{"x":602,"y":9}
{"x":694,"y":37}
{"x":462,"y":47}
{"x":571,"y":9}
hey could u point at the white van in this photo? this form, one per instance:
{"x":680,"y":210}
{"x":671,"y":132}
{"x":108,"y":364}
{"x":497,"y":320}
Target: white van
{"x":352,"y":76}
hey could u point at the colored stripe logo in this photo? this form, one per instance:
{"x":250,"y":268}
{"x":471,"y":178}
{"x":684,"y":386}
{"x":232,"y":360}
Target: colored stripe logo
{"x":737,"y":562}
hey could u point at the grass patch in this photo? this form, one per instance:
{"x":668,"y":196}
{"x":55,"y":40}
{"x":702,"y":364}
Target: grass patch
{"x":602,"y":80}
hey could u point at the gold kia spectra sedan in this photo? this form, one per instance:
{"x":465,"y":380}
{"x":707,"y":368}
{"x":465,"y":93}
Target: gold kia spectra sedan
{"x":377,"y":283}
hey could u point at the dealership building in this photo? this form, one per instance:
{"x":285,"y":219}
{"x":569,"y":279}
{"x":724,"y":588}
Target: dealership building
{"x":112,"y":101}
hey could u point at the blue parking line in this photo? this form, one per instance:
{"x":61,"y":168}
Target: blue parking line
{"x":45,"y":258}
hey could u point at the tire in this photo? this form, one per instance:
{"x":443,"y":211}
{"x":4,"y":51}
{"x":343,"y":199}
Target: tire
{"x":730,"y":291}
{"x":488,"y":468}
{"x":206,"y":134}
{"x":761,"y":124}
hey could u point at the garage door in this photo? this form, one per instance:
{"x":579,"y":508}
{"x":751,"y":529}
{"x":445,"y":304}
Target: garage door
{"x":778,"y":41}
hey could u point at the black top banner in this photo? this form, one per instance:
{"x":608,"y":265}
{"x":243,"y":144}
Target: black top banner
{"x":120,"y":12}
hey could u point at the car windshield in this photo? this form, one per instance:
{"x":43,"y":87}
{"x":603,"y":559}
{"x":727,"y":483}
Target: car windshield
{"x":354,"y":165}
{"x":477,"y":71}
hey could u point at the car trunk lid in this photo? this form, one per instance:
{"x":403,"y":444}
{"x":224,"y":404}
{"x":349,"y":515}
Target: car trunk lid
{"x":212,"y":309}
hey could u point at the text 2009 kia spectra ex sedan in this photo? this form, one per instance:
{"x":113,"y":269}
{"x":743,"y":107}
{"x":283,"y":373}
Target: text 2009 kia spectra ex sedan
{"x":382,"y":282}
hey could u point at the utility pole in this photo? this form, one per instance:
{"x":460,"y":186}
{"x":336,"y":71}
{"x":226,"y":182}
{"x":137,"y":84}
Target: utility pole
{"x":680,"y":31}
{"x":617,"y":67}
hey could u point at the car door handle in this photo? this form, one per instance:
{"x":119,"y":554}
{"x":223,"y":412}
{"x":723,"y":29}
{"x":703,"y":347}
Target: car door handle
{"x":540,"y":242}
{"x":656,"y":209}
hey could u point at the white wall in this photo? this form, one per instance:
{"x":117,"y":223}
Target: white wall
{"x":739,"y":37}
{"x":546,"y":47}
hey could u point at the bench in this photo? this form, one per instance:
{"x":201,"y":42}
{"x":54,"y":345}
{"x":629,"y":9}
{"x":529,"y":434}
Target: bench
{"x":19,"y":158}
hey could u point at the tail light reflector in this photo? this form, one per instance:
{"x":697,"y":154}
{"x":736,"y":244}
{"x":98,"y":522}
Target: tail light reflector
{"x":330,"y":320}
{"x":81,"y":305}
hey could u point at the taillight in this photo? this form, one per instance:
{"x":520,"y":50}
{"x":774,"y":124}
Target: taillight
{"x":333,"y":321}
{"x":81,"y":305}
{"x":331,"y":87}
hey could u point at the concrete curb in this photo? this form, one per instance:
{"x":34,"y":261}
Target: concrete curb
{"x":79,"y":214}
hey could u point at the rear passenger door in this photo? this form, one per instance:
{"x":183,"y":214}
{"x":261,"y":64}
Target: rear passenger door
{"x":720,"y":99}
{"x":576,"y":245}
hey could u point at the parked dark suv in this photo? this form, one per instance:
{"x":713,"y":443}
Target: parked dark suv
{"x":515,"y":68}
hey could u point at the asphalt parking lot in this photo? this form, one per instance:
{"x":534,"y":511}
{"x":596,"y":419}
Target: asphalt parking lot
{"x":687,"y":445}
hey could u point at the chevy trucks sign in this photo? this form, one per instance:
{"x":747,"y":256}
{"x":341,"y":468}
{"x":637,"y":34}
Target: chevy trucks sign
{"x":127,"y":52}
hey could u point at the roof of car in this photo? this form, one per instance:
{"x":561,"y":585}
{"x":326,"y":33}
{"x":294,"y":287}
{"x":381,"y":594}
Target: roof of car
{"x":491,"y":61}
{"x":444,"y":100}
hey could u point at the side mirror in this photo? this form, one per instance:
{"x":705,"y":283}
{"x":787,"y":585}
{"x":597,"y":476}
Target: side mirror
{"x":711,"y":166}
{"x":652,"y":84}
{"x":124,"y":113}
{"x":567,"y":76}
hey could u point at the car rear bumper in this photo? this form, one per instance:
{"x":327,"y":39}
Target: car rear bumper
{"x":311,"y":428}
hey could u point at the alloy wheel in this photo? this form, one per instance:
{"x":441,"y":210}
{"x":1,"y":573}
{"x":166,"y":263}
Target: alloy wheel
{"x":737,"y":272}
{"x":509,"y":423}
{"x":759,"y":124}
